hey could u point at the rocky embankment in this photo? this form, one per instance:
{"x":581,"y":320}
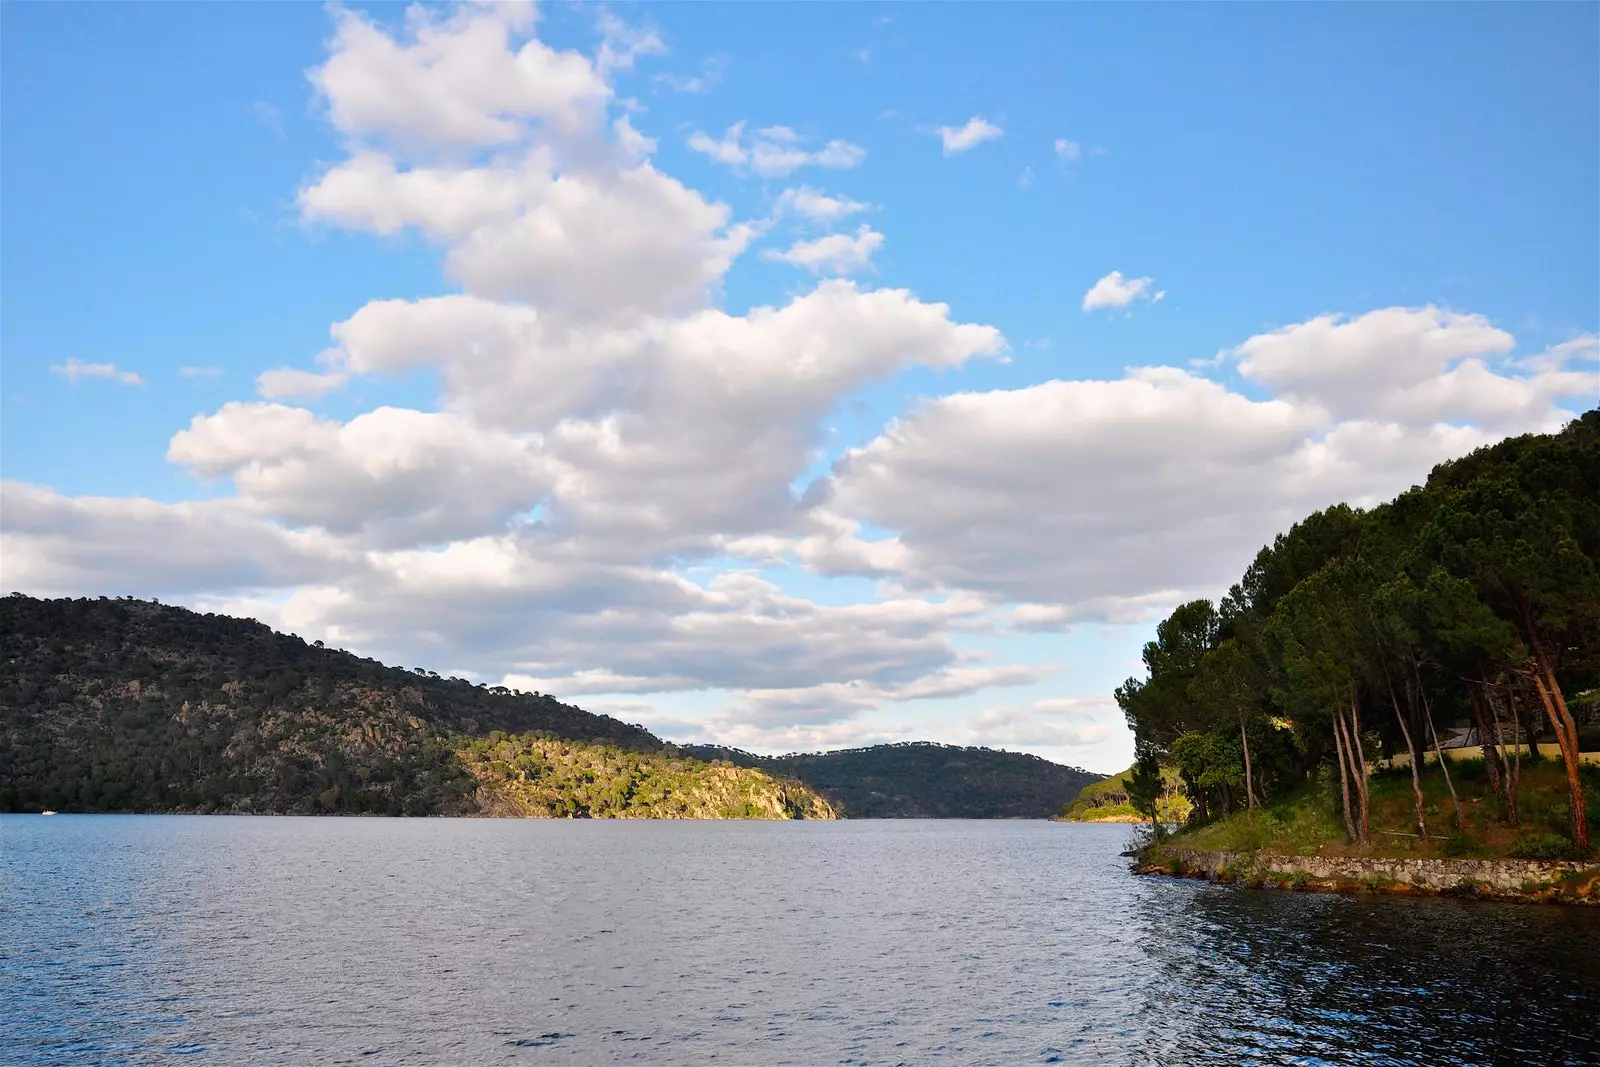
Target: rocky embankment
{"x":1542,"y":881}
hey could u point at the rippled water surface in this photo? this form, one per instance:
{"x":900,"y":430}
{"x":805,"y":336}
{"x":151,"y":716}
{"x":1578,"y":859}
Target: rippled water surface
{"x":135,"y":939}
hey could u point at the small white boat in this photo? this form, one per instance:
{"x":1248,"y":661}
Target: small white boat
{"x":47,"y":813}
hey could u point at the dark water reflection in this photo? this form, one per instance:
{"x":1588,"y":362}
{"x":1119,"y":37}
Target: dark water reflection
{"x":139,"y":939}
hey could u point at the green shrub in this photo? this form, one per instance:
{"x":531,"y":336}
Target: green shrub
{"x":1558,"y":816}
{"x":1536,"y":846}
{"x":1461,"y":844}
{"x":1300,"y":879}
{"x":1469,"y":770}
{"x":1251,"y":833}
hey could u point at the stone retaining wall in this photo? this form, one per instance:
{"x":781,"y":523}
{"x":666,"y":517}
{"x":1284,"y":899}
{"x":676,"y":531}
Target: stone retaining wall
{"x":1499,"y":878}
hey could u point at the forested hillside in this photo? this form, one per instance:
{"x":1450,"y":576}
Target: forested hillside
{"x":128,"y":705}
{"x":924,"y":780}
{"x":1472,"y":602}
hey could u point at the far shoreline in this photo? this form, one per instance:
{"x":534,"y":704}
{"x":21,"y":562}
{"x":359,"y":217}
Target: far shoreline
{"x":482,"y":817}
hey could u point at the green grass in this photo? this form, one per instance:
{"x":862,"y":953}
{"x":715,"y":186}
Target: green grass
{"x":1308,"y":821}
{"x":1301,"y":821}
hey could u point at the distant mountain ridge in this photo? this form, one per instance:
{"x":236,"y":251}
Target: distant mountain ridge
{"x":923,"y":780}
{"x":124,"y":705}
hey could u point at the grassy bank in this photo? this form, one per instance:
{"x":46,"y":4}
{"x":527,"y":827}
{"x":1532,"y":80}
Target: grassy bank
{"x":1307,"y":822}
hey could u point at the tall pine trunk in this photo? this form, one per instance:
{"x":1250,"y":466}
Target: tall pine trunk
{"x":1416,"y":774}
{"x":1249,"y":783}
{"x":1363,"y":798}
{"x":1493,"y":761}
{"x":1527,"y":724}
{"x":1512,"y":767}
{"x":1357,"y":762}
{"x":1555,"y":704}
{"x":1344,"y":775}
{"x":1438,"y":750}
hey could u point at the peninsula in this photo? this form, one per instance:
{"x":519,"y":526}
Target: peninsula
{"x":1402,"y":696}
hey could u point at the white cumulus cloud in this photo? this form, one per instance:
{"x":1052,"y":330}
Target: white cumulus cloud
{"x":964,"y":138}
{"x":467,"y":77}
{"x":816,"y":206}
{"x":835,"y":253}
{"x":1115,"y":291}
{"x":1416,"y":366}
{"x":1116,"y":499}
{"x":774,"y":151}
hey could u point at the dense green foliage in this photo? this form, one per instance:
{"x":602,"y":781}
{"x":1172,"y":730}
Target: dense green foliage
{"x":1145,"y":789}
{"x":1108,"y":800}
{"x":923,"y":780}
{"x":127,"y":705}
{"x":545,"y":776}
{"x":1359,"y":635}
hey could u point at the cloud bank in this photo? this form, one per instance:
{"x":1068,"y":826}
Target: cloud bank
{"x":619,"y":473}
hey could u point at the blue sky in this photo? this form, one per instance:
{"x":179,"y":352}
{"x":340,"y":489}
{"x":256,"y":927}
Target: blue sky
{"x":1261,"y":165}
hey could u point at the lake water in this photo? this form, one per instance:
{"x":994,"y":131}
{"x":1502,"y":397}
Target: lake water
{"x":138,"y":939}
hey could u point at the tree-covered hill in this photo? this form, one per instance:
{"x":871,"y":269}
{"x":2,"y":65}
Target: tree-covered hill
{"x":923,"y":780}
{"x":1468,"y":605}
{"x":128,"y":705}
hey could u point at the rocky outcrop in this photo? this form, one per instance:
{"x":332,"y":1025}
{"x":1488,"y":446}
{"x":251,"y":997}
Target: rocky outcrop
{"x":1554,"y":881}
{"x":547,"y":778}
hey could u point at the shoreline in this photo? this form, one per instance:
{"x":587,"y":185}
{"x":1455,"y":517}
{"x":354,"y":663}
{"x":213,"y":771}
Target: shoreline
{"x":1524,"y":881}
